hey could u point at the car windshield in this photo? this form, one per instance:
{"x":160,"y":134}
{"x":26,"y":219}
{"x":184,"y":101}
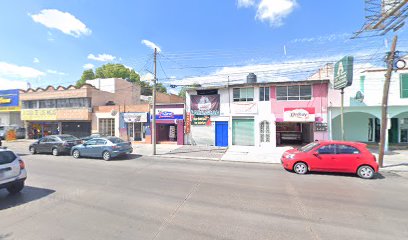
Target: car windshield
{"x":7,"y":157}
{"x":68,"y":138}
{"x":308,"y":147}
{"x":115,"y":140}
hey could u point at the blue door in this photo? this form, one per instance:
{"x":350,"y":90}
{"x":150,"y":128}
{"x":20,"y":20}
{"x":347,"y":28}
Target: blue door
{"x":221,"y":134}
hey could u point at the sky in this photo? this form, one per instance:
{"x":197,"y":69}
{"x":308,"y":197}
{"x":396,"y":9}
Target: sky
{"x":51,"y":42}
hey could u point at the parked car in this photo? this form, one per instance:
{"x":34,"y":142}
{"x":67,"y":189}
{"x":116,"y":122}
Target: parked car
{"x":12,"y":171}
{"x":93,"y":135}
{"x":105,"y":148}
{"x":55,"y":144}
{"x":331,"y":156}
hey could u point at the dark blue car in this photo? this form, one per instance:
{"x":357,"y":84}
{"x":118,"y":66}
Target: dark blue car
{"x":105,"y":148}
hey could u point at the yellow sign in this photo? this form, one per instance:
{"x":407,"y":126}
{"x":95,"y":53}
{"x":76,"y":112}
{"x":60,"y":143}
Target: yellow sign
{"x":38,"y":114}
{"x":10,"y":109}
{"x":5,"y":100}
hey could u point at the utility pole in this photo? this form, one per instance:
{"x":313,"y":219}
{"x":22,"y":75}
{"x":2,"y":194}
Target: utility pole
{"x":384,"y":105}
{"x":154,"y":106}
{"x":342,"y":114}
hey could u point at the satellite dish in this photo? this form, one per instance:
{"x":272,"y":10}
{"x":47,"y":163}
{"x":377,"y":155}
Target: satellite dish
{"x":114,"y":112}
{"x":359,"y":96}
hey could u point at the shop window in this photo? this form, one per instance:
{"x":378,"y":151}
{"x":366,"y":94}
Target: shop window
{"x":264,"y":94}
{"x":107,"y":126}
{"x":73,"y":103}
{"x":265,"y":132}
{"x":404,"y":130}
{"x":404,"y":85}
{"x":243,"y":94}
{"x":293,"y":93}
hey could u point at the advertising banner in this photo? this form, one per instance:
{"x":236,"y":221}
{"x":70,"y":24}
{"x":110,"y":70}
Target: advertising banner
{"x":38,"y":114}
{"x":188,"y":122}
{"x":205,"y":105}
{"x":343,"y":72}
{"x":135,"y":117}
{"x":299,"y":115}
{"x":201,"y":120}
{"x":9,"y":100}
{"x":169,"y":113}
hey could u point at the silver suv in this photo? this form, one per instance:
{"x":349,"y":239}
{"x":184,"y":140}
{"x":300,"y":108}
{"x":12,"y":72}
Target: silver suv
{"x":12,"y":171}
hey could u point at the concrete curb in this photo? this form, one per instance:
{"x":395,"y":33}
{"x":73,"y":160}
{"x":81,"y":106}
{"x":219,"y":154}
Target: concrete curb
{"x":183,"y":157}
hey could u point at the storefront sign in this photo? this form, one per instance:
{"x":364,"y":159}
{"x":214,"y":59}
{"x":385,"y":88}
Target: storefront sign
{"x":201,"y":120}
{"x":9,"y":100}
{"x":343,"y":72}
{"x":245,"y":107}
{"x":188,"y":122}
{"x":38,"y":114}
{"x":299,"y":115}
{"x":205,"y":105}
{"x":320,"y":127}
{"x":169,"y":113}
{"x":135,"y":117}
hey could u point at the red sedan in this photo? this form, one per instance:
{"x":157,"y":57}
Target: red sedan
{"x":331,"y":156}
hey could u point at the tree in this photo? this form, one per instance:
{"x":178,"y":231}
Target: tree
{"x":184,"y":89}
{"x":161,"y":88}
{"x":86,"y":75}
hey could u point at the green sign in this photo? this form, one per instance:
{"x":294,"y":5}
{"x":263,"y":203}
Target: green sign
{"x":343,"y":73}
{"x":201,"y":120}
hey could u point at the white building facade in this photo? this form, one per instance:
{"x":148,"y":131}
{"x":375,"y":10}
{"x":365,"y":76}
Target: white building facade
{"x":362,"y":108}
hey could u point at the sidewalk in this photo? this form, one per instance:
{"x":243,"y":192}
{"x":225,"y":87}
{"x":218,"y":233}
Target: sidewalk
{"x":254,"y":154}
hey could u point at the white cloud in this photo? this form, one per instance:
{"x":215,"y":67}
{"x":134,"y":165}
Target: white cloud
{"x":50,"y":37}
{"x":101,"y":57}
{"x":63,"y":21}
{"x":323,"y":38}
{"x":151,"y":45}
{"x":12,"y":84}
{"x":9,"y":70}
{"x":36,"y":60}
{"x":88,"y":66}
{"x":55,"y":72}
{"x":272,"y":11}
{"x":148,"y":77}
{"x":246,"y":3}
{"x":130,"y":68}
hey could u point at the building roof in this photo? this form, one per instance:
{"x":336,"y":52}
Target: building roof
{"x":52,"y":88}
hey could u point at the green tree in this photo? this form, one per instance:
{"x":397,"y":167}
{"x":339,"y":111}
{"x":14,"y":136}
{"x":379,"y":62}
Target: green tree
{"x":184,"y":89}
{"x":161,"y":88}
{"x":86,"y":75}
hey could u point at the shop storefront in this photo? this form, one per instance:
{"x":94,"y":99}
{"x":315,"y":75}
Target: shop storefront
{"x":136,"y":124}
{"x":170,"y":124}
{"x":296,"y":127}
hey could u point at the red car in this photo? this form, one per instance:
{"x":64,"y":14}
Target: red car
{"x":331,"y":156}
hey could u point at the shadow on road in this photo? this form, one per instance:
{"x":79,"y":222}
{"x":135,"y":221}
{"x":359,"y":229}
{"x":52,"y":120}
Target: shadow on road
{"x":28,"y":194}
{"x":5,"y":236}
{"x":126,"y":157}
{"x":376,"y":176}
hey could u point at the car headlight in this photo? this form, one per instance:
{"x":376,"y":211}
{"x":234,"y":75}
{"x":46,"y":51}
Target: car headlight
{"x":290,"y":156}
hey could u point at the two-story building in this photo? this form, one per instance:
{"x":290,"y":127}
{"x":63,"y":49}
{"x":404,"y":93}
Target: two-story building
{"x":362,"y":107}
{"x":258,"y":113}
{"x":69,"y":110}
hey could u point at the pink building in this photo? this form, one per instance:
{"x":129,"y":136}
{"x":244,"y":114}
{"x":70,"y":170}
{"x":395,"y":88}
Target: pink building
{"x":300,"y":110}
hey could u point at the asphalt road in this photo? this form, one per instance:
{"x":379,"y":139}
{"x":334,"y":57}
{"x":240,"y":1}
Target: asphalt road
{"x":153,"y":198}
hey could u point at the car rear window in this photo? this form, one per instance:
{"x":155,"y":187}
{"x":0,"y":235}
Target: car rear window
{"x":68,"y":138}
{"x":115,"y":140}
{"x":7,"y":157}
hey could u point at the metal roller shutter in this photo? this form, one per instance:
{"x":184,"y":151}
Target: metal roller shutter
{"x":243,"y":132}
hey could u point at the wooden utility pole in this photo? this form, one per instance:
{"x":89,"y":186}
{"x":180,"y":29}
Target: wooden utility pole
{"x":384,"y":105}
{"x":154,"y":106}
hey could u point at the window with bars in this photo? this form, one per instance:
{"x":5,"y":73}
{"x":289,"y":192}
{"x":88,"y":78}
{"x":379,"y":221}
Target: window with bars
{"x":243,"y":94}
{"x":295,"y":92}
{"x":265,"y":132}
{"x":264,"y":94}
{"x":107,"y":126}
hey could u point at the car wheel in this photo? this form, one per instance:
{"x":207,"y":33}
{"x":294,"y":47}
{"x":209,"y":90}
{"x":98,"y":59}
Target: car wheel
{"x":55,"y":152}
{"x":76,"y":154}
{"x":15,"y":188}
{"x":300,"y":168}
{"x":32,"y":150}
{"x":365,"y":172}
{"x":106,"y":156}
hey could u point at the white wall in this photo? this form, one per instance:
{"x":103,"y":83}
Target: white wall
{"x":11,"y":118}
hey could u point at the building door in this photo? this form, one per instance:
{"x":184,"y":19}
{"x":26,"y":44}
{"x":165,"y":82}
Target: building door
{"x":138,"y":131}
{"x":243,"y":132}
{"x":393,"y":131}
{"x":221,"y":134}
{"x":265,"y":132}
